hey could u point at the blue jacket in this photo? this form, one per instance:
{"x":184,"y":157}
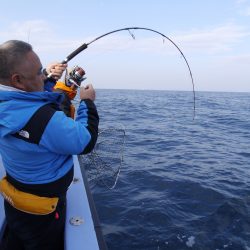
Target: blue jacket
{"x":63,"y":137}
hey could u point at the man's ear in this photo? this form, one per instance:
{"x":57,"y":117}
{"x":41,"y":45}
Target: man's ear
{"x":16,"y":81}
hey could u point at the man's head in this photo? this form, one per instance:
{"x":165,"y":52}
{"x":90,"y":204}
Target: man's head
{"x":20,"y":67}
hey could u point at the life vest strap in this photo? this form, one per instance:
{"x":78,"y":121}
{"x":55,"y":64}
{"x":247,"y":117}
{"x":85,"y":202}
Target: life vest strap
{"x":26,"y":202}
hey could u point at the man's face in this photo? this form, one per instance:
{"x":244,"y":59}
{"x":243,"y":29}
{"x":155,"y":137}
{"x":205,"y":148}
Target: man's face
{"x":29,"y":74}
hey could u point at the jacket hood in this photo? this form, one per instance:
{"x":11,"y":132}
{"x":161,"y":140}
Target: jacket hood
{"x":16,"y":108}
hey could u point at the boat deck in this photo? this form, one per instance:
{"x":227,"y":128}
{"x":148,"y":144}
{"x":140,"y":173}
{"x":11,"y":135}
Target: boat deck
{"x":82,"y":230}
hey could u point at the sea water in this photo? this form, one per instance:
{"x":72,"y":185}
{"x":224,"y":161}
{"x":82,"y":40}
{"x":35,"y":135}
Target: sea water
{"x":184,"y":182}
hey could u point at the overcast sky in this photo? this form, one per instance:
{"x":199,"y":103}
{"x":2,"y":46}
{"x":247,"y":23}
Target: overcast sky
{"x":214,"y":36}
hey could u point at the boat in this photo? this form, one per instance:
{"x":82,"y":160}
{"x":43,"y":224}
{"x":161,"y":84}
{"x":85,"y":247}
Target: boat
{"x":82,"y":227}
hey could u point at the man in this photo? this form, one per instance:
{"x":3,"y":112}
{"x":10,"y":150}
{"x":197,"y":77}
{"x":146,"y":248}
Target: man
{"x":37,"y":142}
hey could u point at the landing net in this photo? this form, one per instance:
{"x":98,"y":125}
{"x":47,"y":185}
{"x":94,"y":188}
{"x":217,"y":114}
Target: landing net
{"x":103,"y":164}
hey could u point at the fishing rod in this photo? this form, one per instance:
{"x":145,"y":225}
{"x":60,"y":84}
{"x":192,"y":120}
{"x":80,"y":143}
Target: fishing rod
{"x":85,"y":46}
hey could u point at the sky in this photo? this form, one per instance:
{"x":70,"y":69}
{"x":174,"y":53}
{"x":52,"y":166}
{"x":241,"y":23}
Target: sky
{"x":213,"y":35}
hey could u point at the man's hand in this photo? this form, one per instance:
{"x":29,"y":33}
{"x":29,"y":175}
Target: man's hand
{"x":56,"y":70}
{"x":87,"y":92}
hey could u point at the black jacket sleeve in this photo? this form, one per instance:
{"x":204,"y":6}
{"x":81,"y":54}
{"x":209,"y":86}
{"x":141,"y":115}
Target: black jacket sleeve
{"x":93,"y":122}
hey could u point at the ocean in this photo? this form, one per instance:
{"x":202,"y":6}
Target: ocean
{"x":184,"y":183}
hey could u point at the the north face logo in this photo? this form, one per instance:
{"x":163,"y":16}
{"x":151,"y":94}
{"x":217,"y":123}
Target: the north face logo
{"x":24,"y":134}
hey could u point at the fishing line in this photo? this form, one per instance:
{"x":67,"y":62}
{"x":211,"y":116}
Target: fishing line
{"x":104,"y":163}
{"x":85,"y":46}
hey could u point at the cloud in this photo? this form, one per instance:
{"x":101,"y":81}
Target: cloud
{"x":218,"y":39}
{"x":247,"y":11}
{"x":211,"y":40}
{"x":241,"y":1}
{"x":41,"y":34}
{"x":244,"y":7}
{"x":45,"y":39}
{"x":26,"y":30}
{"x":238,"y":59}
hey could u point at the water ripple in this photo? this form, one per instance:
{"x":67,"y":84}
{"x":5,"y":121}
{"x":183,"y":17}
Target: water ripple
{"x":185,"y":183}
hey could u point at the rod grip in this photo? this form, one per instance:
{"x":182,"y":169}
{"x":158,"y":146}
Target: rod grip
{"x":75,"y":52}
{"x":70,"y":56}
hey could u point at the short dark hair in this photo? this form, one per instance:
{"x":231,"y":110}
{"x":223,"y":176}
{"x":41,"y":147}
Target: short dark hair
{"x":12,"y":54}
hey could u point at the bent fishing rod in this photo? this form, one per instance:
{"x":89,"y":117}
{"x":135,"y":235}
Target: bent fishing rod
{"x":85,"y":46}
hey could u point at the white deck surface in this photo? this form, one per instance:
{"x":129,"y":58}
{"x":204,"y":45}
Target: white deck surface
{"x":82,"y":236}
